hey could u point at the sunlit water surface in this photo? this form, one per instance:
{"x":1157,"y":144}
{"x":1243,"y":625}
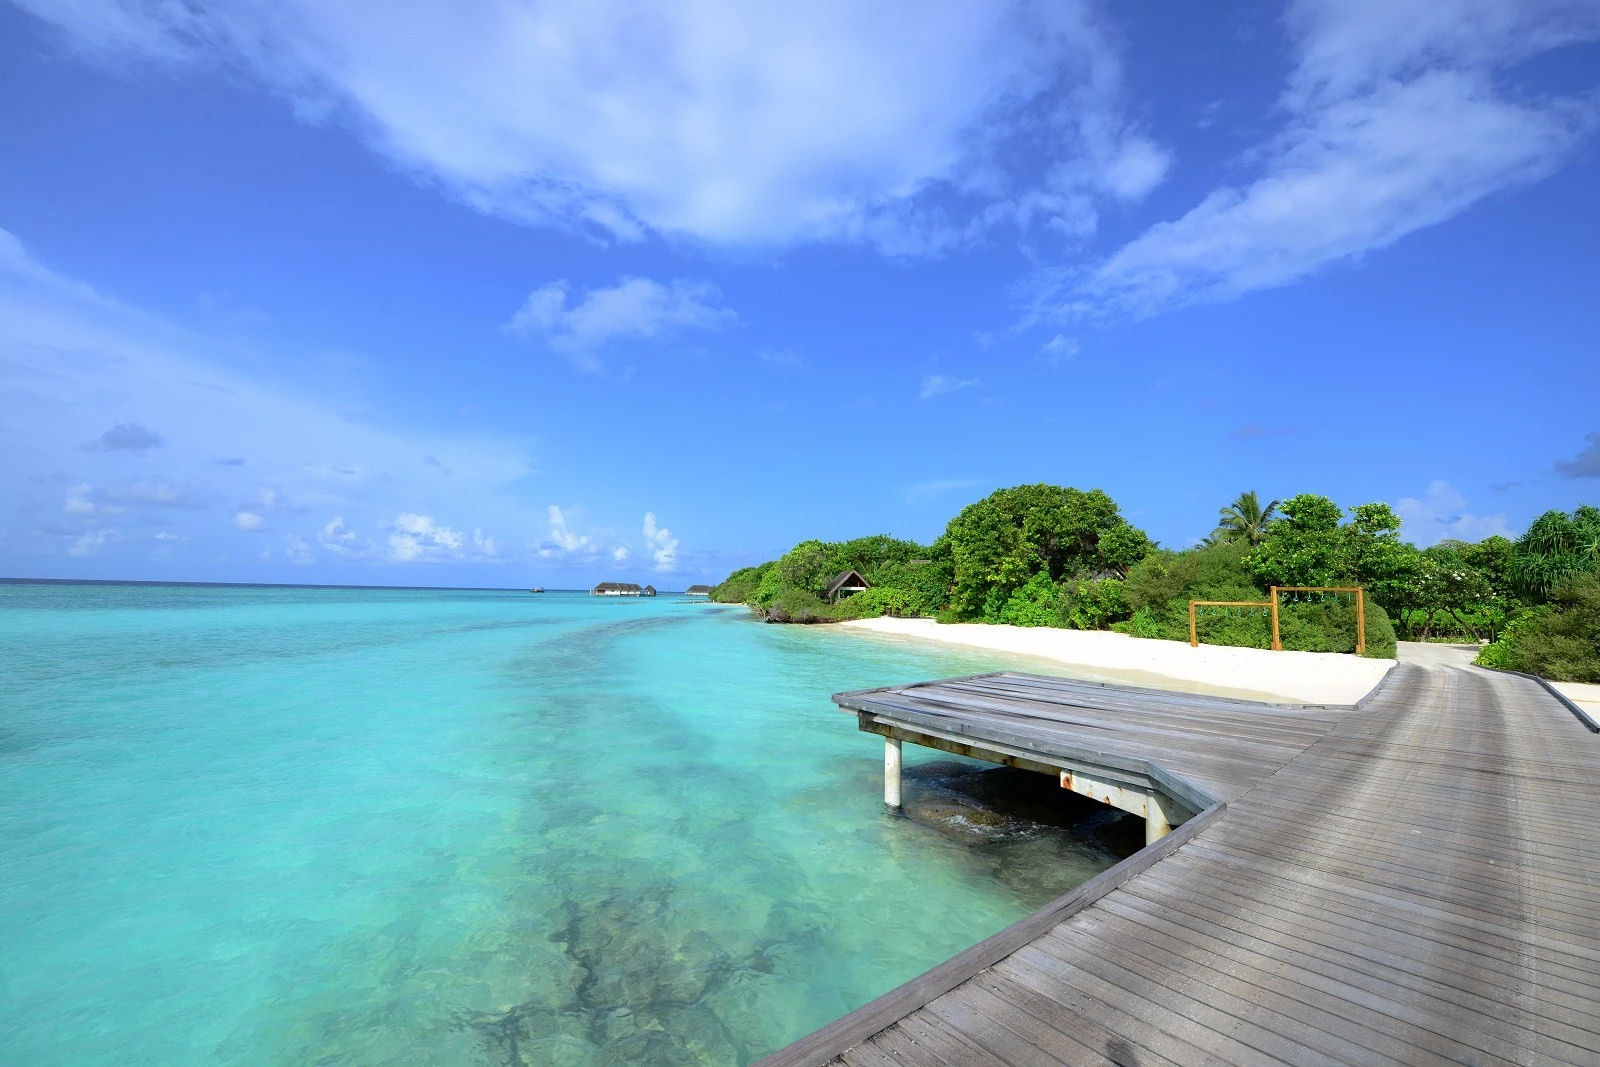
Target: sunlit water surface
{"x":274,"y":825}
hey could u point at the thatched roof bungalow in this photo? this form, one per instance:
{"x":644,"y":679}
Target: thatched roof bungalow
{"x":844,"y":584}
{"x":697,"y":590}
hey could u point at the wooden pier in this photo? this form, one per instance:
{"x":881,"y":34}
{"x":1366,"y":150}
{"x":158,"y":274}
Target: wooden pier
{"x":1407,"y":880}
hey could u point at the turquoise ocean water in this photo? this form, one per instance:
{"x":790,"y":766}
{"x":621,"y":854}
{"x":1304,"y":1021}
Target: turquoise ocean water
{"x":339,"y":826}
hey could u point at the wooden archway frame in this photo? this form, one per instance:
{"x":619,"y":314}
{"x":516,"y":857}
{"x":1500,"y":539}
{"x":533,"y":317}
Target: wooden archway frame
{"x":1277,"y":642}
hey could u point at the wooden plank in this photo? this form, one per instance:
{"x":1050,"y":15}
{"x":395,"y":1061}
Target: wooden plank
{"x":1410,"y":879}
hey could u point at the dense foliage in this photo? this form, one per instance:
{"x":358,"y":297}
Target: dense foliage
{"x":1556,"y":549}
{"x":904,"y":580}
{"x":1039,"y":534}
{"x":1161,"y":586}
{"x":1559,"y":640}
{"x":1045,"y":555}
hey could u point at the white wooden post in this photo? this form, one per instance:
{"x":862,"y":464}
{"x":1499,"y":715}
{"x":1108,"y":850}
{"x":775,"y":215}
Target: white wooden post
{"x":891,"y":773}
{"x":1157,"y":818}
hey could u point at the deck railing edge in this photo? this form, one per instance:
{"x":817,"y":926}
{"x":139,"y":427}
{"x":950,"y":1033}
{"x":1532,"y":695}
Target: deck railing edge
{"x":850,"y":1030}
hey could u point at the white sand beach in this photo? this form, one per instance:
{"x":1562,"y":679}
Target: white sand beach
{"x":1253,"y":673}
{"x":1583,"y":694}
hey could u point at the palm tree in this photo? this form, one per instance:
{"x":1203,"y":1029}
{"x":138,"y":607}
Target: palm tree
{"x":1245,"y":520}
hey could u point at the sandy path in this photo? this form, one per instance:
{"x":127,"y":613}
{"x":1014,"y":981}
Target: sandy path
{"x":1295,"y":677}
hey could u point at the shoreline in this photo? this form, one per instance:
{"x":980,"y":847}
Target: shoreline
{"x":1102,"y":655}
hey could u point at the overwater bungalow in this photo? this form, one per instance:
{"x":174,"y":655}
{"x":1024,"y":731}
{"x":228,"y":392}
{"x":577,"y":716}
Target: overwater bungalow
{"x":619,"y":589}
{"x":697,"y":590}
{"x":648,"y":590}
{"x":846,"y":583}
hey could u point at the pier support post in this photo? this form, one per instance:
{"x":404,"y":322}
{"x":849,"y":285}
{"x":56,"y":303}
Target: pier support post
{"x":891,"y":773}
{"x":1157,"y":817}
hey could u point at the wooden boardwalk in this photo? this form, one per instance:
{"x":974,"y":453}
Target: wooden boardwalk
{"x":1408,"y":881}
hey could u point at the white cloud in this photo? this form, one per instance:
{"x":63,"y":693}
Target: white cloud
{"x":91,"y":542}
{"x":635,"y":309}
{"x":485,"y":547}
{"x":16,"y":262}
{"x":166,"y":535}
{"x":422,"y":538}
{"x":337,"y":537}
{"x":1347,"y":47}
{"x":561,"y":537}
{"x":1396,"y":121}
{"x":1058,"y":350}
{"x":663,"y":546}
{"x":249,"y":520}
{"x":1439,"y":515}
{"x":939,"y":384}
{"x":712,"y":120}
{"x":73,"y":363}
{"x":78,"y":505}
{"x":621,"y":553}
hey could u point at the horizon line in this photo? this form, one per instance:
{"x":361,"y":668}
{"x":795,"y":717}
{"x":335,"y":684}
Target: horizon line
{"x":295,"y":585}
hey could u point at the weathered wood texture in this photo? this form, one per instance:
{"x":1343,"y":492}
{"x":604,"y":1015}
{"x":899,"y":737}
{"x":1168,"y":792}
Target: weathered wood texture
{"x":1216,"y":746}
{"x":1417,"y":885}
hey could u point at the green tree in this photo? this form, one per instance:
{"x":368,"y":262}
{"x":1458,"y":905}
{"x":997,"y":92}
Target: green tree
{"x":807,"y":566}
{"x":1245,"y":520}
{"x":1448,"y":595}
{"x":1000,"y":543}
{"x":740,"y":586}
{"x":1372,"y":556}
{"x":1493,"y":558}
{"x":872,"y":555}
{"x":1303,"y":547}
{"x":1557,"y":548}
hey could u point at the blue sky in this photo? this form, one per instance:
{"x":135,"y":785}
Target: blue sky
{"x":490,"y":294}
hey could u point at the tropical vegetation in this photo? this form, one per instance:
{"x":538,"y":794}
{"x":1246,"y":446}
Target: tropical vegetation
{"x":1046,"y":555}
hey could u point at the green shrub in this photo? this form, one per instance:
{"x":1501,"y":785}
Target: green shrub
{"x":797,"y":605}
{"x":921,"y":587}
{"x":1143,"y":623}
{"x":1033,"y":604}
{"x":880,"y":600}
{"x":1381,"y":640}
{"x":1238,"y":627}
{"x":740,"y":586}
{"x":1092,"y":605}
{"x":948,"y":615}
{"x":1168,"y":580}
{"x":1330,"y":626}
{"x":1561,"y":642}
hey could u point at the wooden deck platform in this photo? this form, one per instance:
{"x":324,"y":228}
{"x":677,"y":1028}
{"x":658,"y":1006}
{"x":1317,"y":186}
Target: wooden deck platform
{"x":1411,"y":880}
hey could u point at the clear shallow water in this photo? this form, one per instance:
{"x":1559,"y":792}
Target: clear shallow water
{"x":371,"y":826}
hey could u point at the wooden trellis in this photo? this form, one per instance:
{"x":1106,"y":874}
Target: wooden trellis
{"x":1272,"y":609}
